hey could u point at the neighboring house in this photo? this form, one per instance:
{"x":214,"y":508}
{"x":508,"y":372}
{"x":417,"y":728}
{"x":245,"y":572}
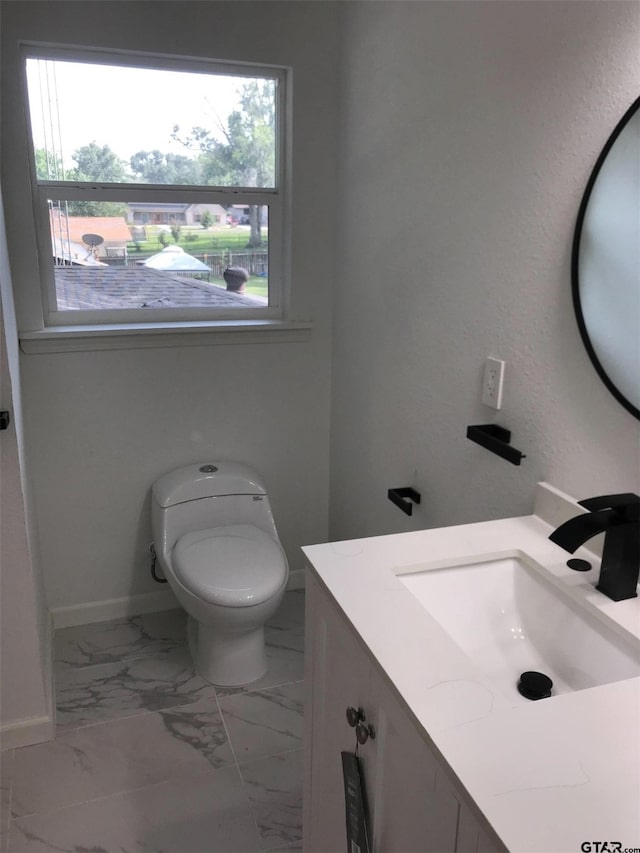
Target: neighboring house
{"x":194,"y":213}
{"x":69,"y":231}
{"x":147,"y":213}
{"x":240,"y":213}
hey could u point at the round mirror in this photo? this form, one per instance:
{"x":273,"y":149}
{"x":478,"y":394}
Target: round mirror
{"x":605,"y":265}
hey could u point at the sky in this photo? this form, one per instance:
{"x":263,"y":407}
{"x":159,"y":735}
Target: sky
{"x":129,"y":109}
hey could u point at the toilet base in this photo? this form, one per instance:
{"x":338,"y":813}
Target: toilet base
{"x":227,"y":659}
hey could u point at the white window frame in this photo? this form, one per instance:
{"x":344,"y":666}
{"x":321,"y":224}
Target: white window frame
{"x":276,"y":198}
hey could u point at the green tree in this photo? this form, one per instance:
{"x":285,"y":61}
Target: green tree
{"x":154,"y":167}
{"x":48,"y":165}
{"x":98,"y":163}
{"x":206,"y":219}
{"x":102,"y":165}
{"x":245,"y":156}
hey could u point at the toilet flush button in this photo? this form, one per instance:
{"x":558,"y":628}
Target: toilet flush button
{"x":208,"y":469}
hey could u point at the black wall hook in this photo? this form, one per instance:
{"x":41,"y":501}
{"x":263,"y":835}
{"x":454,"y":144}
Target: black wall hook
{"x":398,"y":496}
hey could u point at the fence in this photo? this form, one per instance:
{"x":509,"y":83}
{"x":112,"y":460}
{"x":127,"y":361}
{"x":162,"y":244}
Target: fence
{"x":255,"y":263}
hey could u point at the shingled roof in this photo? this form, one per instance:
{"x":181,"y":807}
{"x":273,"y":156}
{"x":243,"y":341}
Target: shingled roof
{"x":139,"y":287}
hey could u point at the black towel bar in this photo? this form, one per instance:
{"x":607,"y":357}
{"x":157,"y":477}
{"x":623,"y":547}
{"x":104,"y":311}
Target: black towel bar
{"x":496,"y":439}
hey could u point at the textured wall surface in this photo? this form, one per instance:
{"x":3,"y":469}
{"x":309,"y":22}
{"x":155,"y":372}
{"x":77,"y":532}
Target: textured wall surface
{"x":469,"y":131}
{"x":102,"y":426}
{"x":467,"y":134}
{"x":25,"y":655}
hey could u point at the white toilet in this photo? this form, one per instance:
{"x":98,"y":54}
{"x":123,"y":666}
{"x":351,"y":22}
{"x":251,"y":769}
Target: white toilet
{"x":217,"y":544}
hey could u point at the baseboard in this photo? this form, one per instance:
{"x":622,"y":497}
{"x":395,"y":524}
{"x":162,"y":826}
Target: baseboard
{"x":31,"y":730}
{"x":134,"y":605}
{"x":113,"y":608}
{"x":27,"y":732}
{"x":49,"y":673}
{"x":296,"y":579}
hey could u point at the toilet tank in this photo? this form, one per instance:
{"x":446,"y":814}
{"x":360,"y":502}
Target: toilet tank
{"x":191,"y":499}
{"x":207,"y":480}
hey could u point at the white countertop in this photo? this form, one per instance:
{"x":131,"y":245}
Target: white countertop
{"x":548,"y":775}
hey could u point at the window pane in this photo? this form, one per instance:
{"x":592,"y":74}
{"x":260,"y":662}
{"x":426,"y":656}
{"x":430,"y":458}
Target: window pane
{"x":119,"y":124}
{"x":111,"y":256}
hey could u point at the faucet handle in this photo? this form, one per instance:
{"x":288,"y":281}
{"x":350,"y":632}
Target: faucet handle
{"x":627,"y":502}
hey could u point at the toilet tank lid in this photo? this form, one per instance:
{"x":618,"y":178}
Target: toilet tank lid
{"x":207,"y":480}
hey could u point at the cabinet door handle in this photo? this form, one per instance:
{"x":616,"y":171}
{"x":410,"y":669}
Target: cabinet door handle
{"x":354,"y":716}
{"x":363,"y":733}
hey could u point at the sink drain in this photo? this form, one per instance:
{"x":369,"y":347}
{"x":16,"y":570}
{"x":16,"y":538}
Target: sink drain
{"x":535,"y":685}
{"x":579,"y":565}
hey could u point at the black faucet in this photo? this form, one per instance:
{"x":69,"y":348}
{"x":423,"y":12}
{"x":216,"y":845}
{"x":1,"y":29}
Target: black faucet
{"x":618,"y":516}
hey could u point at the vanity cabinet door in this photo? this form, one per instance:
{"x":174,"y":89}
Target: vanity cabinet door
{"x":472,"y":838}
{"x":415,"y":808}
{"x":337,"y":674}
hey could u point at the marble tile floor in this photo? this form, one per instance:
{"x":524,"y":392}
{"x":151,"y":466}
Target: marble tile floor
{"x":149,"y":758}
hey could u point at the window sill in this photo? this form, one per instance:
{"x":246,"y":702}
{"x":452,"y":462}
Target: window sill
{"x":146,"y":335}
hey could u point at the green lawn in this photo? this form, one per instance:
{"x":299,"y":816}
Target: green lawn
{"x":196,"y":241}
{"x":200,"y":242}
{"x":256,"y":286}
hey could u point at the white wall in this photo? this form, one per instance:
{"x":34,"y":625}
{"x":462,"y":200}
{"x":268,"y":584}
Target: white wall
{"x":476,"y":124}
{"x":467,"y":134}
{"x":102,"y":426}
{"x":25,"y":639}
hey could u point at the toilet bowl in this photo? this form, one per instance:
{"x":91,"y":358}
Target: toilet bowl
{"x":217,"y":544}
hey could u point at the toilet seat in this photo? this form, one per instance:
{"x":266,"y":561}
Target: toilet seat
{"x":238,"y":565}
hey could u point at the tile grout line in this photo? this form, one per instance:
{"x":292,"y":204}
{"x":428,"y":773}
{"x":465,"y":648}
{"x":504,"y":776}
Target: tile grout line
{"x":106,"y":722}
{"x":286,"y":847}
{"x":64,"y":667}
{"x":241,"y":692}
{"x":172,"y":707}
{"x":119,"y":793}
{"x":125,"y":791}
{"x":228,"y":736}
{"x":268,"y":757}
{"x":254,"y":817}
{"x":248,"y":764}
{"x":263,"y":843}
{"x":123,"y":622}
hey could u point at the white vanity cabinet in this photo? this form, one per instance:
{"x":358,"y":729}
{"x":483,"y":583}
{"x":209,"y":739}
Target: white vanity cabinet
{"x":412,"y":802}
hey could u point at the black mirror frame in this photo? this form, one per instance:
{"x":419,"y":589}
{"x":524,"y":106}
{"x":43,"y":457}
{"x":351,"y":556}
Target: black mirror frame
{"x":575,"y":254}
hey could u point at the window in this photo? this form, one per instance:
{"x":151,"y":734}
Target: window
{"x":159,"y":187}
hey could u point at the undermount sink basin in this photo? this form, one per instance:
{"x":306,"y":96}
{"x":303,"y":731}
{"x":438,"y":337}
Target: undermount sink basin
{"x":508,"y":618}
